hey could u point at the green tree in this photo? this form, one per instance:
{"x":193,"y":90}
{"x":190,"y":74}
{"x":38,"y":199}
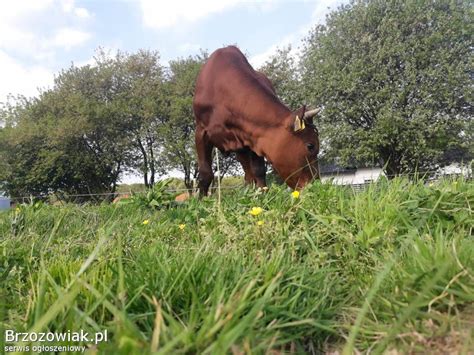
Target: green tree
{"x":395,"y":81}
{"x":37,"y":165}
{"x":87,"y":111}
{"x":282,"y":70}
{"x":97,"y":122}
{"x":143,"y":102}
{"x":72,"y":139}
{"x":21,"y":144}
{"x":177,"y":132}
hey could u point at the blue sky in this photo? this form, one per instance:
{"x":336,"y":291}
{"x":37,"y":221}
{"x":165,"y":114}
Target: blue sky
{"x":40,"y":37}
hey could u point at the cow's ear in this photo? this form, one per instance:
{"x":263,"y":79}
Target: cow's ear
{"x":299,"y":124}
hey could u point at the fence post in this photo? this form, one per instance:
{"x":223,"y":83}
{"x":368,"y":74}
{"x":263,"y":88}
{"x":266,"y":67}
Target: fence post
{"x":218,"y":180}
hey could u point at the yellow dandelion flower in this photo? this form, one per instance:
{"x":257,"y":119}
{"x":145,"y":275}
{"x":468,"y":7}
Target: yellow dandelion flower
{"x":255,"y":211}
{"x":17,"y":210}
{"x":182,"y":226}
{"x":260,"y":223}
{"x":145,"y":222}
{"x":295,"y":194}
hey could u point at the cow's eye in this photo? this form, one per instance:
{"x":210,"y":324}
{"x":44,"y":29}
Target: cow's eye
{"x":310,"y":146}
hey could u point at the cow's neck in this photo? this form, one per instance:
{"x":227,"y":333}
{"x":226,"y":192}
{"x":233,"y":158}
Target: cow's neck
{"x":264,"y":116}
{"x":267,"y":138}
{"x":267,"y":110}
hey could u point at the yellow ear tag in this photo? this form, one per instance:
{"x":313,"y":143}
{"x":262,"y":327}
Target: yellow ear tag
{"x":299,"y":124}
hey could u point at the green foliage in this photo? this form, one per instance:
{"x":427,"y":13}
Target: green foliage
{"x":94,"y":124}
{"x":72,"y":139}
{"x":177,"y":133}
{"x":394,"y":79}
{"x":143,"y":100}
{"x":389,"y":268}
{"x":156,"y":197}
{"x":282,"y":70}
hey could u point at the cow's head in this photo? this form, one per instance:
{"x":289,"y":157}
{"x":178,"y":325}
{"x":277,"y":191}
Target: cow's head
{"x":297,"y":148}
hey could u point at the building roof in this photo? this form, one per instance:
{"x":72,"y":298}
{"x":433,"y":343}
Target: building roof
{"x":331,"y":169}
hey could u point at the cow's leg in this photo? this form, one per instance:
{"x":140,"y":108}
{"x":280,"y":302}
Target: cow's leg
{"x":204,"y":153}
{"x":259,"y":169}
{"x":243,"y":157}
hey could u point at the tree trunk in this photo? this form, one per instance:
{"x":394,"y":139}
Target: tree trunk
{"x":116,"y":175}
{"x":187,"y":178}
{"x":145,"y":163}
{"x":151,"y":163}
{"x":391,"y":164}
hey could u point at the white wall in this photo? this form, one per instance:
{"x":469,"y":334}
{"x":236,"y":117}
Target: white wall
{"x":455,"y":168}
{"x":4,"y":203}
{"x":360,"y":176}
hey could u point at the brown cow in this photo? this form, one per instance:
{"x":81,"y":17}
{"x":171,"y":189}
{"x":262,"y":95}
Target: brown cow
{"x":237,"y":110}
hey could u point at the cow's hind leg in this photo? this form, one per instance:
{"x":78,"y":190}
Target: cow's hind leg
{"x":243,"y":157}
{"x":259,"y":169}
{"x":204,"y":153}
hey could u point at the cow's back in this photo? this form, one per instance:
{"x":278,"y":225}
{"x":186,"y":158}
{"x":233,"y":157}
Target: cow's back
{"x":230,"y":97}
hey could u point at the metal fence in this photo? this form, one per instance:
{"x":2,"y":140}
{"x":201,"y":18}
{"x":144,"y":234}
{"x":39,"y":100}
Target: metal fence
{"x":110,"y":196}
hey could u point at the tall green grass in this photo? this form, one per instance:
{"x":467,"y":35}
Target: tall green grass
{"x":389,"y":268}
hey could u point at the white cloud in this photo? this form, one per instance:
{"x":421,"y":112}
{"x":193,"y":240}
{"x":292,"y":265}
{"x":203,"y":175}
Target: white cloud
{"x":17,"y":34}
{"x":37,"y":46}
{"x":19,"y":79}
{"x":11,"y":11}
{"x":259,"y":59}
{"x":321,"y":9}
{"x":13,"y":16}
{"x":11,"y":37}
{"x":67,"y":38}
{"x":82,"y":12}
{"x":68,"y":6}
{"x":82,"y":63}
{"x":28,"y":53}
{"x":324,"y":7}
{"x":188,"y":47}
{"x":164,"y":14}
{"x":293,"y":39}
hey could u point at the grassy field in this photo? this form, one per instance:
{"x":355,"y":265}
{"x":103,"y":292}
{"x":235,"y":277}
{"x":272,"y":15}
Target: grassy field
{"x":387,"y":269}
